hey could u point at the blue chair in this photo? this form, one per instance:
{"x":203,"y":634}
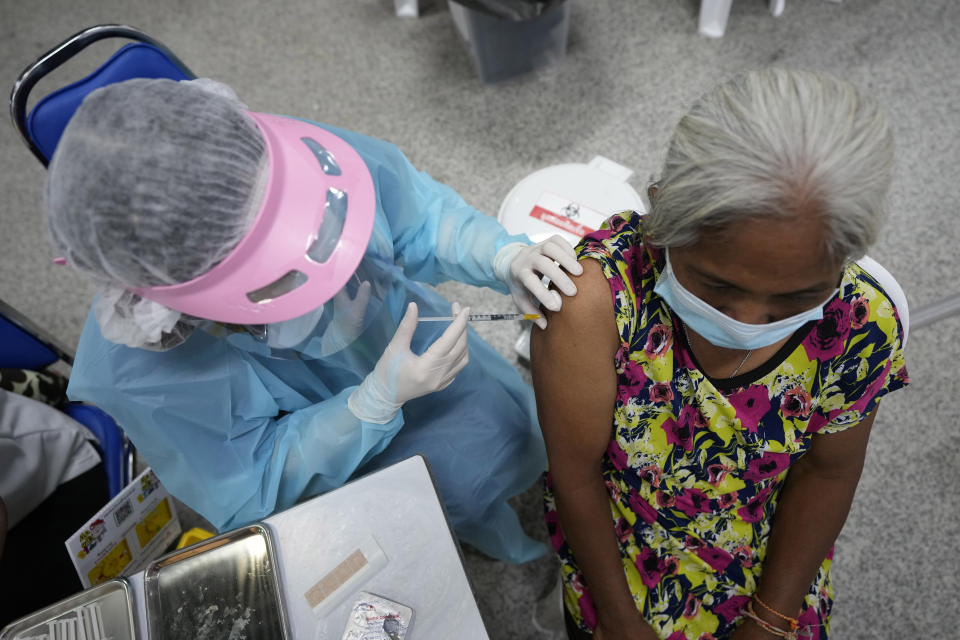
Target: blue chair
{"x":22,"y":344}
{"x":42,"y":127}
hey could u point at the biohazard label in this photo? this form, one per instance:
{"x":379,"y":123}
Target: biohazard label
{"x":565,"y":214}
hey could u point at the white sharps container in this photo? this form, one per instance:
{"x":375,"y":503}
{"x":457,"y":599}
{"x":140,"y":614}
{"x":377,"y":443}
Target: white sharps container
{"x":569,"y":200}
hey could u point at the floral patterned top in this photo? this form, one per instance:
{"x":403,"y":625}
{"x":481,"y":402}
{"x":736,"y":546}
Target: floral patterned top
{"x":696,"y":464}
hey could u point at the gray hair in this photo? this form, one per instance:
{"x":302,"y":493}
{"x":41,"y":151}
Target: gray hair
{"x":764,"y":142}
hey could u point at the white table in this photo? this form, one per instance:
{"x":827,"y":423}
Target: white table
{"x":399,"y":507}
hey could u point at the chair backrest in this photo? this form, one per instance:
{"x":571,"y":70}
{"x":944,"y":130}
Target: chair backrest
{"x":892,"y":288}
{"x":116,"y":452}
{"x":42,"y":128}
{"x":23,"y":345}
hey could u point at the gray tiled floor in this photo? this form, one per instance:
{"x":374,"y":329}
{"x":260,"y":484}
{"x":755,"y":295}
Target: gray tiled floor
{"x":631,"y":68}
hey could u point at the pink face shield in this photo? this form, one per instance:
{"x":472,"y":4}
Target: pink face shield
{"x":306,"y":241}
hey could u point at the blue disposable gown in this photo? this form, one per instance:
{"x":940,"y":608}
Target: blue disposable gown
{"x":237,"y":430}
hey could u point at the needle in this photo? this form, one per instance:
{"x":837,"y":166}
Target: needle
{"x":485,"y":317}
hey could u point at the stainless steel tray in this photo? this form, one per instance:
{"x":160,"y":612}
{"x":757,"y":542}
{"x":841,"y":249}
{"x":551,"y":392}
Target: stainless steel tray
{"x":222,"y":588}
{"x":113,"y":605}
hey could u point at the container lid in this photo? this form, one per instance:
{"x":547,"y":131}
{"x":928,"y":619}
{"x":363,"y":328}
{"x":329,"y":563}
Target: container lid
{"x":569,"y":199}
{"x":104,"y":611}
{"x":224,"y":586}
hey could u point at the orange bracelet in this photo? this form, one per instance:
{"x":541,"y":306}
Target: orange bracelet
{"x":793,"y":622}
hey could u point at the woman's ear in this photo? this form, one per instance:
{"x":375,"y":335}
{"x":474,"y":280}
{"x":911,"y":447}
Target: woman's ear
{"x":652,"y":191}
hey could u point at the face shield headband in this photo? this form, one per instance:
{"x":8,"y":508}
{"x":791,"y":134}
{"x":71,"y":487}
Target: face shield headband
{"x":304,"y":245}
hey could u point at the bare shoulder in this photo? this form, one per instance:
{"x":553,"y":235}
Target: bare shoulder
{"x":574,"y":376}
{"x":586,"y":321}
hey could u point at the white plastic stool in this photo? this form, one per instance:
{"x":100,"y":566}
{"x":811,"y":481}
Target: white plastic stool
{"x":714,"y":14}
{"x":569,"y":200}
{"x":407,"y":8}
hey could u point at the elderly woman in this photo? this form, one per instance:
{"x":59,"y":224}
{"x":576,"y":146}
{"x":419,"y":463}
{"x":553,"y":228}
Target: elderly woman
{"x":729,"y":358}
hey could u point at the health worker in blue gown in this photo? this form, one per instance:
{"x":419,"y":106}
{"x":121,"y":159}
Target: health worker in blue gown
{"x":256,"y":329}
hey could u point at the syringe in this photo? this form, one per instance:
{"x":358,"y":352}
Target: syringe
{"x":485,"y":317}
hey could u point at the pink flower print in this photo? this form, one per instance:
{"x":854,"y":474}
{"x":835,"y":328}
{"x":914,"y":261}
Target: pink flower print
{"x":872,"y":389}
{"x":616,"y":223}
{"x":651,"y":568}
{"x":633,"y":382}
{"x":751,"y":404}
{"x":693,"y":501}
{"x":902,"y":376}
{"x":744,"y":556}
{"x":677,"y":635}
{"x":681,"y":432}
{"x":642,"y":267}
{"x":655,"y":252}
{"x":816,"y":422}
{"x":753,"y":510}
{"x":587,"y":610}
{"x":730,"y":608}
{"x":683,"y":360}
{"x":644,"y":510}
{"x":692,"y":544}
{"x":617,"y":456}
{"x":553,"y":528}
{"x":828,"y":339}
{"x":718,"y":559}
{"x":651,"y":473}
{"x":823,"y":603}
{"x":576,"y":581}
{"x":623,"y":529}
{"x":716,"y":472}
{"x":691,"y":607}
{"x":692,"y":414}
{"x":796,"y":403}
{"x":670,"y":565}
{"x":809,"y":618}
{"x":678,"y":434}
{"x":859,"y":312}
{"x":665,"y":500}
{"x":727,"y":500}
{"x":661,"y":392}
{"x":706,"y":635}
{"x":613,"y":490}
{"x":767,"y":465}
{"x":659,"y":341}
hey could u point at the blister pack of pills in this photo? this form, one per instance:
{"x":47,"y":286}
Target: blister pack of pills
{"x":374,"y":617}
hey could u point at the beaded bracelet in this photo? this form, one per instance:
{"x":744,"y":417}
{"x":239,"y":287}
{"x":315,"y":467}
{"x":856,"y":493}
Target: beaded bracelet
{"x":792,"y":634}
{"x":793,"y":622}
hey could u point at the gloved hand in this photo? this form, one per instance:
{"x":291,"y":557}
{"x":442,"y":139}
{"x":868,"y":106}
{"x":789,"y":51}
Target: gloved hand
{"x":521,"y":268}
{"x":348,"y":314}
{"x":401,"y":375}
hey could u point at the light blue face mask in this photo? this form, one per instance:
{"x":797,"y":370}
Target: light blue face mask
{"x":720,"y":329}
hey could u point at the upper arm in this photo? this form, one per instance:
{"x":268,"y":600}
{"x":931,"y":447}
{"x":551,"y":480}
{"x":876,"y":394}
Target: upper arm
{"x":574,"y":377}
{"x":840,"y":455}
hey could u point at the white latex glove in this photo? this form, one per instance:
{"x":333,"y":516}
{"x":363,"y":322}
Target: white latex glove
{"x":522,"y":268}
{"x":348,"y":314}
{"x":401,"y":375}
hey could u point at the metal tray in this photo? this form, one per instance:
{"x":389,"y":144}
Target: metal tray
{"x":221,"y":588}
{"x":111,"y":599}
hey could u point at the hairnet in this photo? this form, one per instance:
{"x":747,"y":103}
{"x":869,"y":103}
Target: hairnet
{"x":153,"y":183}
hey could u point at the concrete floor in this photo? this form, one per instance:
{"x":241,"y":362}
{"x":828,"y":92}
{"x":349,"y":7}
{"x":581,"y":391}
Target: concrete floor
{"x":630,"y":71}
